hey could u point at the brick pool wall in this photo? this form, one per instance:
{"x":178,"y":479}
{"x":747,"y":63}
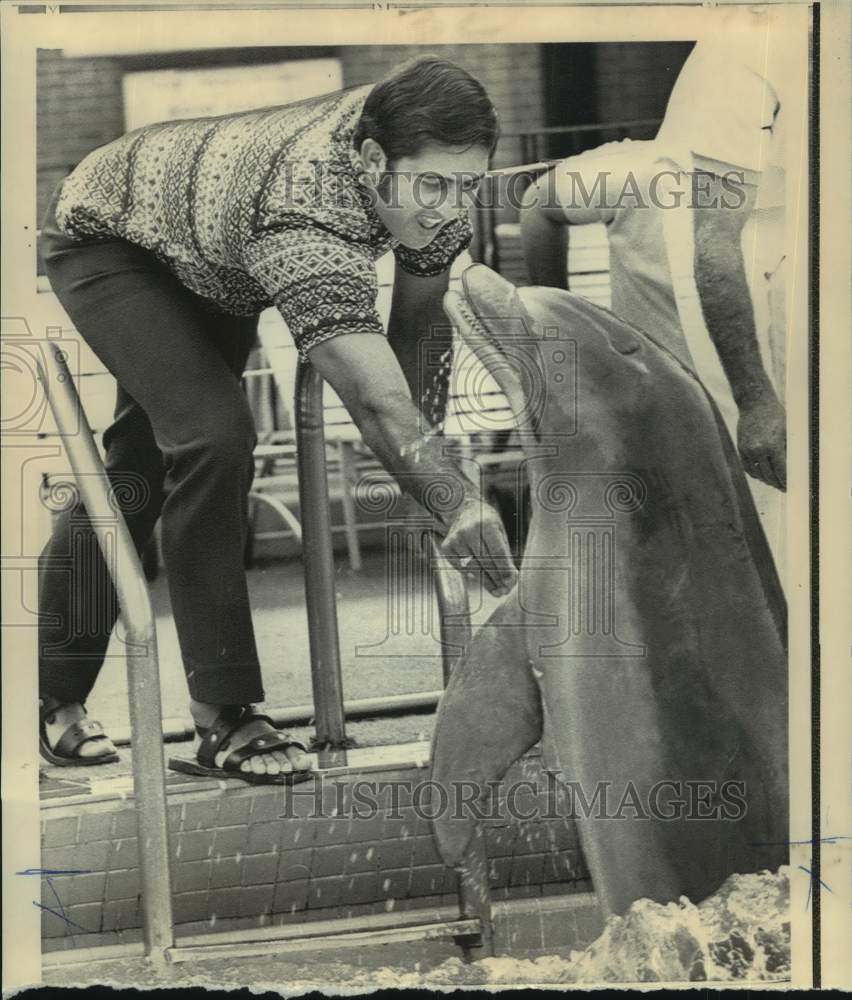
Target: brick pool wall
{"x":247,"y":857}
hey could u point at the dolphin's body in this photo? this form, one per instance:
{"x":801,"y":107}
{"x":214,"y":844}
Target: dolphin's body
{"x":646,"y":638}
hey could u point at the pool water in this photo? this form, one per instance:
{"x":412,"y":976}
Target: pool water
{"x":741,"y":933}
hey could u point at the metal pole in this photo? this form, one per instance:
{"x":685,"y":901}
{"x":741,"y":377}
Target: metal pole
{"x":454,"y":621}
{"x":143,"y":675}
{"x":318,"y":555}
{"x":493,"y":191}
{"x":454,"y":625}
{"x":475,"y":897}
{"x":346,"y":474}
{"x":179,"y":730}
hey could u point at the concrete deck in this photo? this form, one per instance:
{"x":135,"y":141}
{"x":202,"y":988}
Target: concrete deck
{"x":371,"y":665}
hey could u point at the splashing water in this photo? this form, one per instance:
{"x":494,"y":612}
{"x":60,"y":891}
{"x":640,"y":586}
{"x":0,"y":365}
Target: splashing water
{"x":741,"y":933}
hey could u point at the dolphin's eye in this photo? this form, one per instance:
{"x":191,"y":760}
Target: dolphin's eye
{"x":627,"y":346}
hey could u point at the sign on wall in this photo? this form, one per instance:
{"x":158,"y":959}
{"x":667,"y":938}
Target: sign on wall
{"x":165,"y":95}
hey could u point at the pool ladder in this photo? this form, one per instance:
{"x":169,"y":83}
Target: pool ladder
{"x":472,"y":929}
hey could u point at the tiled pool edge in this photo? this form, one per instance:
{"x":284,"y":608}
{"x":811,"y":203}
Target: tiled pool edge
{"x":239,"y":863}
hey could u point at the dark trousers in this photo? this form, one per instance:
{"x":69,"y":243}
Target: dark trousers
{"x":180,"y":447}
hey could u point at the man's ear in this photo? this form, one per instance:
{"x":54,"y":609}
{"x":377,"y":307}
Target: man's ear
{"x":373,"y":158}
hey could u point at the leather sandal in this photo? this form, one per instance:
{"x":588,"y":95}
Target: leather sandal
{"x":218,"y":737}
{"x":64,"y":753}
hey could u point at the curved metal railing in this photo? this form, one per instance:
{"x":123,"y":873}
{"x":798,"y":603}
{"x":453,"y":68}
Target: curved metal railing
{"x":143,"y":670}
{"x":473,"y":930}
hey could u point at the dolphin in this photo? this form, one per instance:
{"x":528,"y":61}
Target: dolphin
{"x":644,"y":645}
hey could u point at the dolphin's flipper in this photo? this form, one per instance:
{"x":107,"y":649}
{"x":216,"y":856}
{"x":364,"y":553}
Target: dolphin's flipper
{"x":489,"y":716}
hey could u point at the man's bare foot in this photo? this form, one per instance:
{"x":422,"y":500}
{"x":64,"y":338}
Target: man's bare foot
{"x":276,"y":762}
{"x":66,"y":715}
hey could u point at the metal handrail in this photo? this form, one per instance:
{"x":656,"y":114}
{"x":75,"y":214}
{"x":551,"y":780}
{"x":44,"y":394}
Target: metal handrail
{"x":454,"y":627}
{"x":143,"y":671}
{"x":594,"y":127}
{"x":320,"y":598}
{"x":474,"y":928}
{"x":323,"y":635}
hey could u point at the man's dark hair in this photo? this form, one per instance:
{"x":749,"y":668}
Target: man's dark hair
{"x":427,"y":100}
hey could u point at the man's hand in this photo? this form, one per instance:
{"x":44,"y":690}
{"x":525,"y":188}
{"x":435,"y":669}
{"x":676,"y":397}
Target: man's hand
{"x":476,"y":542}
{"x":762,"y":440}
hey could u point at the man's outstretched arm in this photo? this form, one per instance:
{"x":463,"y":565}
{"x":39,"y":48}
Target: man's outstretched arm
{"x":364,"y":371}
{"x":729,"y":314}
{"x":325,"y":287}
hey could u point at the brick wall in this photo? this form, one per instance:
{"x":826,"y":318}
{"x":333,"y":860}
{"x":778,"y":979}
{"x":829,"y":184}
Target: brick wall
{"x":80,"y":105}
{"x":242,"y":858}
{"x":78,"y":108}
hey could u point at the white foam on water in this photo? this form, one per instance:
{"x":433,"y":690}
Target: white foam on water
{"x":741,"y":933}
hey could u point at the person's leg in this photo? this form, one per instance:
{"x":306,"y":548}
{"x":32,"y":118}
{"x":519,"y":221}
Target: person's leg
{"x":77,"y":600}
{"x":157,"y":340}
{"x":233,"y":338}
{"x":165,"y":348}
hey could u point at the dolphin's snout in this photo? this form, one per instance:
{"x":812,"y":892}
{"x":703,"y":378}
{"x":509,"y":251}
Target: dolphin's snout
{"x":490,"y":294}
{"x":496,"y":302}
{"x":472,"y":329}
{"x":491,"y":320}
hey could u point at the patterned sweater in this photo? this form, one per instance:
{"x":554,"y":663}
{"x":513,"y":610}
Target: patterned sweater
{"x":255,"y":209}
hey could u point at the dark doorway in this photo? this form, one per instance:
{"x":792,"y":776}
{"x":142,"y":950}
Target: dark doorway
{"x":570,"y":92}
{"x":596,"y":83}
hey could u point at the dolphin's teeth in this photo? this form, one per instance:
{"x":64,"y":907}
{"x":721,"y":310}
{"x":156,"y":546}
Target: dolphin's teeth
{"x":459,"y":305}
{"x":473,"y":321}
